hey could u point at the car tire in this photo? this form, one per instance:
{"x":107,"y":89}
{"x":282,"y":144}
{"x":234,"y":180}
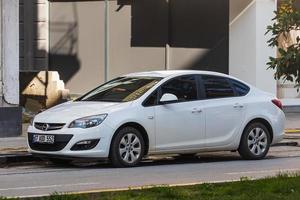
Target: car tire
{"x":255,"y":142}
{"x":127,"y":148}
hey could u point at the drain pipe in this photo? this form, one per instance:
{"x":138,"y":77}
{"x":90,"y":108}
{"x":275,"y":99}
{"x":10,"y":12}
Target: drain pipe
{"x":106,"y":40}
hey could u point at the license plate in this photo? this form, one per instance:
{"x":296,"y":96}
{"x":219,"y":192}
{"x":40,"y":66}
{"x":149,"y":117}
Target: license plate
{"x":43,"y":139}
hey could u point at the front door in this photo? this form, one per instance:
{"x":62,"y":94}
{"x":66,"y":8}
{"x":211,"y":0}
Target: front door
{"x":180,"y":125}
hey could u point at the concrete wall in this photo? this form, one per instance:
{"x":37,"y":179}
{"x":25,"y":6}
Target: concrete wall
{"x":10,"y":112}
{"x":1,"y":68}
{"x":33,"y":35}
{"x":248,"y":49}
{"x":76,"y":43}
{"x":123,"y":57}
{"x":196,"y":42}
{"x":242,"y":46}
{"x":265,"y":13}
{"x":10,"y":51}
{"x":139,"y":32}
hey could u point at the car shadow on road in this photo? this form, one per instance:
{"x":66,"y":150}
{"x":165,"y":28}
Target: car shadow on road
{"x":160,"y":160}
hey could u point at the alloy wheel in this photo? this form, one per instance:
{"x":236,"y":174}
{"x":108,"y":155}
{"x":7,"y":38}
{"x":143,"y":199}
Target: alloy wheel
{"x":257,"y":141}
{"x":130,"y":148}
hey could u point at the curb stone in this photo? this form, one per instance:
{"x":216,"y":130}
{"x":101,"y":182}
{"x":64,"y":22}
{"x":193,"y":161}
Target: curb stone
{"x":285,"y":144}
{"x":17,"y":158}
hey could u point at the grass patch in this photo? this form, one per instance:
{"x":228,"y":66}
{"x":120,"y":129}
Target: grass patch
{"x":282,"y":187}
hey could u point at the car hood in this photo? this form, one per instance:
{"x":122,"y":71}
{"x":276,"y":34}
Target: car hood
{"x":69,"y":111}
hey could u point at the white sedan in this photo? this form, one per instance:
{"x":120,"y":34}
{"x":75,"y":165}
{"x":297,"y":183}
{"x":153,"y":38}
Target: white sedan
{"x":160,"y":112}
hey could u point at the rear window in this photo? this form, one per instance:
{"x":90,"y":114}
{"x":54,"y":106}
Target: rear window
{"x":217,"y":87}
{"x":240,"y":88}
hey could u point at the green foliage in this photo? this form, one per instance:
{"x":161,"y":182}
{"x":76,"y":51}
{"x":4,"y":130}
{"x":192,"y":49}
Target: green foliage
{"x":287,"y":64}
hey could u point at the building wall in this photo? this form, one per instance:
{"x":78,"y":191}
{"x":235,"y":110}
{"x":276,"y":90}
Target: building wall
{"x":76,"y":43}
{"x":265,"y":77}
{"x":143,"y":35}
{"x":34,"y":36}
{"x":242,"y":37}
{"x":1,"y":68}
{"x":10,"y":112}
{"x":9,"y":51}
{"x":248,"y":49}
{"x":124,"y":56}
{"x":196,"y":42}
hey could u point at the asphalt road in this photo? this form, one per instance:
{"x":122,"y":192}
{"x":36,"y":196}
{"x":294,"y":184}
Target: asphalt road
{"x":44,"y":178}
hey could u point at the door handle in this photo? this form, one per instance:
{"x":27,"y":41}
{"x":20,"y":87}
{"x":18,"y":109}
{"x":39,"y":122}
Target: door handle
{"x":197,"y":110}
{"x":238,"y":105}
{"x":151,"y":117}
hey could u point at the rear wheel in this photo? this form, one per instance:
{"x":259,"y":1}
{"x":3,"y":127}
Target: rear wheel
{"x":127,"y":148}
{"x":255,"y":141}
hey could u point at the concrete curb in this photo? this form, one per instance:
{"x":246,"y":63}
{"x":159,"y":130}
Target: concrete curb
{"x":17,"y":158}
{"x":285,"y":144}
{"x":292,"y":137}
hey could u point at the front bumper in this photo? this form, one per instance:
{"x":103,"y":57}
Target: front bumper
{"x":66,"y":138}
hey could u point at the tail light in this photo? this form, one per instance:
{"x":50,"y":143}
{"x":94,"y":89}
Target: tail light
{"x":277,"y":102}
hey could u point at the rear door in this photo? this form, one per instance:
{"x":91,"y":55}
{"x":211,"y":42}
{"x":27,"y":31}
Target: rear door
{"x":224,"y":110}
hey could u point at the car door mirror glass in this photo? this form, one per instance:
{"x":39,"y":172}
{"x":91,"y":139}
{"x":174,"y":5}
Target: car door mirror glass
{"x":168,"y":97}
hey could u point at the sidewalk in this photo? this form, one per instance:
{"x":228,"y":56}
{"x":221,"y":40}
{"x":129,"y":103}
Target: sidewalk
{"x":292,"y":122}
{"x":13,"y":144}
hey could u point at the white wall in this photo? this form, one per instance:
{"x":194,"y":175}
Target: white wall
{"x":10,"y":50}
{"x":242,"y":46}
{"x":248,"y":49}
{"x":264,"y":15}
{"x":1,"y":68}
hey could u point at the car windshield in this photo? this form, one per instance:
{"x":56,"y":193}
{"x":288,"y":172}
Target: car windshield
{"x":123,"y":89}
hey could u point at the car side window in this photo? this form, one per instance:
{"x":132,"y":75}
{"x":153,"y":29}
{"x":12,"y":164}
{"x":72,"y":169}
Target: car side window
{"x":184,"y":87}
{"x":240,"y":88}
{"x":151,"y":100}
{"x":217,"y":87}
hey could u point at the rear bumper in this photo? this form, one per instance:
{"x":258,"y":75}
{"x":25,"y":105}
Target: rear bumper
{"x":277,"y":138}
{"x":278,"y":125}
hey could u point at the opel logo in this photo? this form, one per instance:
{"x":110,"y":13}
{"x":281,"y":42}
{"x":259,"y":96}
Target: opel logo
{"x":45,"y":127}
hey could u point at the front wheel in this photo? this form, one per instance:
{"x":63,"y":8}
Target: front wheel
{"x":127,"y":148}
{"x":255,"y":142}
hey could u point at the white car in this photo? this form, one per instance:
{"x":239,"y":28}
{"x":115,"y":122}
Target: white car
{"x":160,"y":112}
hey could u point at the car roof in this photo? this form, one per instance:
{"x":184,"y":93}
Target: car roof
{"x":166,"y":73}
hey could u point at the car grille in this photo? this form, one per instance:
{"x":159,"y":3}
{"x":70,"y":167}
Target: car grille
{"x":61,"y":141}
{"x":48,"y":126}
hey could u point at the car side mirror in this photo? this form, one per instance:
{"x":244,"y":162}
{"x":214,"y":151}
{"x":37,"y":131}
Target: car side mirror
{"x":167,"y":98}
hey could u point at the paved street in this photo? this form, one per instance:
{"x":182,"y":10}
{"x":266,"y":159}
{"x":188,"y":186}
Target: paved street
{"x":43,"y":178}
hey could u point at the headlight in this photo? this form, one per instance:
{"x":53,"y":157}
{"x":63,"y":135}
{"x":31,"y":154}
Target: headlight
{"x":88,"y":122}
